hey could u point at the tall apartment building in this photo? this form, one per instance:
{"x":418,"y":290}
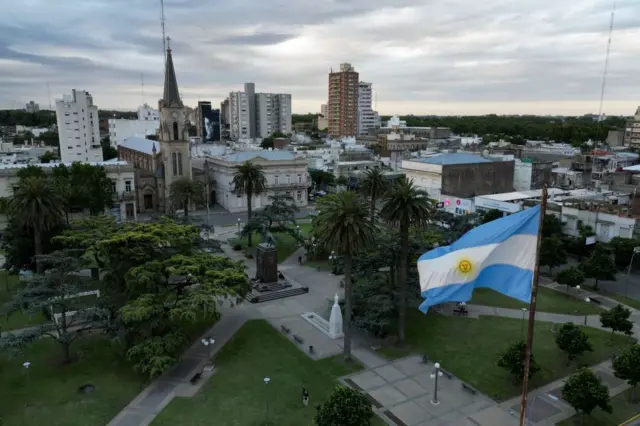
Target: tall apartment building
{"x":273,"y":114}
{"x":343,"y":101}
{"x":239,"y":118}
{"x":632,"y":130}
{"x":250,"y":90}
{"x":366,"y":114}
{"x":324,"y":110}
{"x":224,"y":113}
{"x":78,"y":128}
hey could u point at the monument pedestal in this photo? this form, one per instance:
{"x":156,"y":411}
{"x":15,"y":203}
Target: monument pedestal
{"x":267,"y":263}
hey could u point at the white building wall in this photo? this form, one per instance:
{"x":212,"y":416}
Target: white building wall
{"x":146,"y":113}
{"x":239,"y":116}
{"x":366,"y":115}
{"x":425,"y":176}
{"x":121,"y":129}
{"x":78,"y":128}
{"x":522,"y":176}
{"x":606,"y":226}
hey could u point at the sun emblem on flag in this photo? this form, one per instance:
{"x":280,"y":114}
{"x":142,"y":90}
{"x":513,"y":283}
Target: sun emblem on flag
{"x":465,"y":266}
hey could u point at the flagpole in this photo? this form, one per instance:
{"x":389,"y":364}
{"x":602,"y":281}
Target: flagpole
{"x":532,"y":310}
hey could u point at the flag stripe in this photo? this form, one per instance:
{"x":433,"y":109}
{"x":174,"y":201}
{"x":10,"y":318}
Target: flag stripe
{"x":495,"y":232}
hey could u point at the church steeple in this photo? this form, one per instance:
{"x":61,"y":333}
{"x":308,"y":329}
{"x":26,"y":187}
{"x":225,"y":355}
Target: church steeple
{"x":171,"y":95}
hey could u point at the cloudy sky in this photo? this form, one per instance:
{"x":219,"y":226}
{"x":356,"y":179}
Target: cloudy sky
{"x":423,"y":56}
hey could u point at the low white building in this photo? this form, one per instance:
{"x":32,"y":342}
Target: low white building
{"x":147,"y":124}
{"x":606,"y":224}
{"x":121,"y":173}
{"x":285,"y":174}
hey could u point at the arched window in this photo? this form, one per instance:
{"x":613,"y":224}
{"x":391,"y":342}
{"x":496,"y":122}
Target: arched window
{"x":175,"y":131}
{"x":180,"y":164}
{"x":175,"y":163}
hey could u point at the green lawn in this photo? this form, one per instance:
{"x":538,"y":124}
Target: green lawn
{"x":9,"y":286}
{"x":549,"y":300}
{"x":634,"y":303}
{"x":49,"y":395}
{"x":623,"y":410}
{"x":470,"y":349}
{"x":285,"y":243}
{"x":237,"y":395}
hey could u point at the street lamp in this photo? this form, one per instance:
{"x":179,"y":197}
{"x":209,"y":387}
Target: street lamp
{"x":626,"y":285}
{"x":266,"y":382}
{"x":209,"y":341}
{"x":238,"y":225}
{"x":26,"y":365}
{"x":436,"y":373}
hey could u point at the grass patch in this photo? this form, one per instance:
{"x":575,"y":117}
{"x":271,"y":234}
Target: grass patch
{"x":237,"y":395}
{"x":633,"y":303}
{"x":623,"y":410}
{"x":470,"y":349}
{"x":49,"y":395}
{"x":9,"y":286}
{"x":549,"y":300}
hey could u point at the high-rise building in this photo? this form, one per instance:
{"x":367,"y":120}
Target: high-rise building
{"x":343,"y":101}
{"x":250,"y":90}
{"x":632,"y":130}
{"x":32,"y":107}
{"x":239,"y":119}
{"x":224,"y":113}
{"x":324,"y":110}
{"x":273,"y":114}
{"x":78,"y":128}
{"x":366,"y":115}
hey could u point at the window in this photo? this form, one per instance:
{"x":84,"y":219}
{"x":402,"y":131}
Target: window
{"x":299,"y":178}
{"x":175,"y":163}
{"x":299,"y":195}
{"x":175,"y":131}
{"x":288,"y":179}
{"x":275,"y":180}
{"x":127,"y":186}
{"x":113,"y":186}
{"x":180,"y":164}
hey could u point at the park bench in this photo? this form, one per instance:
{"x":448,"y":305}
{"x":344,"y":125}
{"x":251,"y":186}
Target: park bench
{"x":311,"y":350}
{"x":193,"y":380}
{"x":469,"y":388}
{"x":285,"y":328}
{"x":447,"y":374}
{"x":594,"y":300}
{"x":298,"y":339}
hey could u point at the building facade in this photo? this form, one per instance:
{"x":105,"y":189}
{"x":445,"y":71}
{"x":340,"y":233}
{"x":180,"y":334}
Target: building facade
{"x":250,"y":90}
{"x":273,"y":114}
{"x":239,"y":116}
{"x":285,"y":174}
{"x":78,"y":128}
{"x":324,"y":110}
{"x":366,"y":115}
{"x":632,"y":131}
{"x":121,"y":129}
{"x":343,"y":102}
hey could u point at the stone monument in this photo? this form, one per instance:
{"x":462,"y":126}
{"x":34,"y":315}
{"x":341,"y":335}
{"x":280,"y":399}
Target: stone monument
{"x":267,"y":257}
{"x":335,"y":319}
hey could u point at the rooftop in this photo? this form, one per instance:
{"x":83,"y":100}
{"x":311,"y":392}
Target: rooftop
{"x":522,"y":195}
{"x":51,"y":165}
{"x":457,"y":158}
{"x":240,"y":157}
{"x":141,"y":145}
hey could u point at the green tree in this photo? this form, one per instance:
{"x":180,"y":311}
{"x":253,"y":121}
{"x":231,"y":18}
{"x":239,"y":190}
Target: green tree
{"x":184,"y":191}
{"x":249,"y":180}
{"x":617,"y":319}
{"x":513,"y":360}
{"x":18,"y":243}
{"x":585,"y":392}
{"x":573,"y":341}
{"x":570,"y":276}
{"x":374,"y":309}
{"x":48,"y":157}
{"x":267,"y":143}
{"x":108,"y":151}
{"x":405,"y":206}
{"x":344,"y":407}
{"x":57,"y":292}
{"x":552,"y":253}
{"x":31,"y":171}
{"x":320,"y":178}
{"x":551,"y":226}
{"x":343,"y":226}
{"x":90,"y":188}
{"x":599,"y":265}
{"x":278,"y":216}
{"x":623,"y":250}
{"x":342,"y":180}
{"x":626,"y":366}
{"x":491,"y":215}
{"x":374,"y":185}
{"x":38,"y":207}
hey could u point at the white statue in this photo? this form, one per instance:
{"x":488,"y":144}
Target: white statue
{"x":335,"y":320}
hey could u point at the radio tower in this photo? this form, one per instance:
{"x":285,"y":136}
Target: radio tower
{"x":164,"y":39}
{"x":606,"y":64}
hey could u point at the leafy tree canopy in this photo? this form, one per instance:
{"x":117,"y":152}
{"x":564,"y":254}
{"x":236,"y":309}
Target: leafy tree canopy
{"x":513,"y":360}
{"x":599,"y":265}
{"x":617,"y":319}
{"x":345,"y":407}
{"x":572,"y":340}
{"x":585,"y":392}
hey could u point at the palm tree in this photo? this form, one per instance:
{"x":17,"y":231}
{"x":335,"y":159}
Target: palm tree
{"x":342,"y":225}
{"x":39,"y":207}
{"x":374,"y":184}
{"x":186,"y":190}
{"x":404,"y":206}
{"x":249,"y":180}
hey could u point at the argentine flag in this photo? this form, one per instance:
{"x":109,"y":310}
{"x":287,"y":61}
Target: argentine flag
{"x":499,"y":255}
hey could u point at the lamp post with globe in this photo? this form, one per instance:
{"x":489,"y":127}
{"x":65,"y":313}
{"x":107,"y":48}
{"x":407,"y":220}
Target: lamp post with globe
{"x":436,"y":373}
{"x":208,"y":343}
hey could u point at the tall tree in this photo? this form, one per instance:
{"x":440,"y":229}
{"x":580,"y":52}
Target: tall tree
{"x":584,"y":391}
{"x":617,"y":319}
{"x":491,"y":215}
{"x":343,"y":226}
{"x":374,"y":185}
{"x":185,"y":191}
{"x":249,"y":180}
{"x":345,"y":407}
{"x":552,"y":253}
{"x":405,"y":206}
{"x":599,"y":265}
{"x":90,"y":187}
{"x":626,"y":366}
{"x":37,"y":206}
{"x":513,"y":360}
{"x":572,"y":340}
{"x":570,"y":276}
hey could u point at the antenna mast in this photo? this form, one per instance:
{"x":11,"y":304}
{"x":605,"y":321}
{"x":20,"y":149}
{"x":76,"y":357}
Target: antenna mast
{"x":164,"y":39}
{"x":606,"y":63}
{"x":142,"y":86}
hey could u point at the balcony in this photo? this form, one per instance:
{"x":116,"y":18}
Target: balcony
{"x":123,"y":196}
